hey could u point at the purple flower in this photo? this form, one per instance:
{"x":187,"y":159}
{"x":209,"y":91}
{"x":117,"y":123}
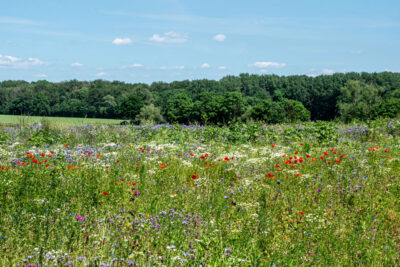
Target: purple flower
{"x":137,"y":193}
{"x":319,"y":190}
{"x":80,"y":218}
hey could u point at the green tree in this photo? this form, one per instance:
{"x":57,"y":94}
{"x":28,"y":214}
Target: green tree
{"x":206,"y":108}
{"x":40,"y":105}
{"x":149,"y":114}
{"x":130,"y":107}
{"x":295,"y":111}
{"x":231,"y":106}
{"x":108,"y":109}
{"x":179,"y":108}
{"x":144,"y":93}
{"x":390,"y":108}
{"x":357,"y":100}
{"x":268,"y":111}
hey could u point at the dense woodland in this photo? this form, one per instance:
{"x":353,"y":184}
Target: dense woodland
{"x":269,"y":98}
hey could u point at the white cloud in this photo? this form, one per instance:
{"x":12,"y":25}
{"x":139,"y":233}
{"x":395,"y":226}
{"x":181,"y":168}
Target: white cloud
{"x":263,"y":71}
{"x":15,"y":62}
{"x":205,"y":66}
{"x":169,"y":37}
{"x":122,"y":41}
{"x":267,"y":65}
{"x":76,"y":64}
{"x":41,"y":75}
{"x":101,"y":74}
{"x":220,"y":37}
{"x":222,"y":68}
{"x":135,"y":65}
{"x":328,"y":71}
{"x":12,"y":20}
{"x":172,"y":68}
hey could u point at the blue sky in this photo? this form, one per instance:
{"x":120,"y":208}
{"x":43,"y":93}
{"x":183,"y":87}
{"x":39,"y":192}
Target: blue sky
{"x":167,"y":40}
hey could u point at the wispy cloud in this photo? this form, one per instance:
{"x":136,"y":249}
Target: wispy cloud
{"x":172,"y":68}
{"x":41,"y":75}
{"x":16,"y":63}
{"x":122,"y":41}
{"x":135,"y":65}
{"x":101,"y":74}
{"x":205,"y":66}
{"x":263,"y":64}
{"x":76,"y":64}
{"x":222,"y":68}
{"x":169,"y":37}
{"x":328,"y":71}
{"x":13,"y":20}
{"x":356,"y":52}
{"x":220,"y":37}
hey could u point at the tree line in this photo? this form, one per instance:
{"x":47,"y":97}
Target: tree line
{"x":270,"y":98}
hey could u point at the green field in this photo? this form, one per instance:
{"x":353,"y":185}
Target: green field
{"x":168,"y":195}
{"x":60,"y":121}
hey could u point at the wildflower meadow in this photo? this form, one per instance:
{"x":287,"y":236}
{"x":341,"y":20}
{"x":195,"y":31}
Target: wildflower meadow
{"x":315,"y":193}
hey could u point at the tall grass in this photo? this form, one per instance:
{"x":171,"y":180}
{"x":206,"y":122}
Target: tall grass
{"x":247,"y":195}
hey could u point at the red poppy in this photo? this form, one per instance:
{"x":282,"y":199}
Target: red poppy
{"x":162,"y":165}
{"x":137,"y":164}
{"x":326,"y":153}
{"x":273,"y":145}
{"x":322,"y":157}
{"x":269,"y":175}
{"x":194,"y":176}
{"x":105,"y":193}
{"x":98,"y":156}
{"x":337,"y":160}
{"x":66,"y":145}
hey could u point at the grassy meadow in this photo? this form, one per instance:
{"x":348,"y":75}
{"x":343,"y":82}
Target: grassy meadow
{"x":242,"y":195}
{"x":17,"y":120}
